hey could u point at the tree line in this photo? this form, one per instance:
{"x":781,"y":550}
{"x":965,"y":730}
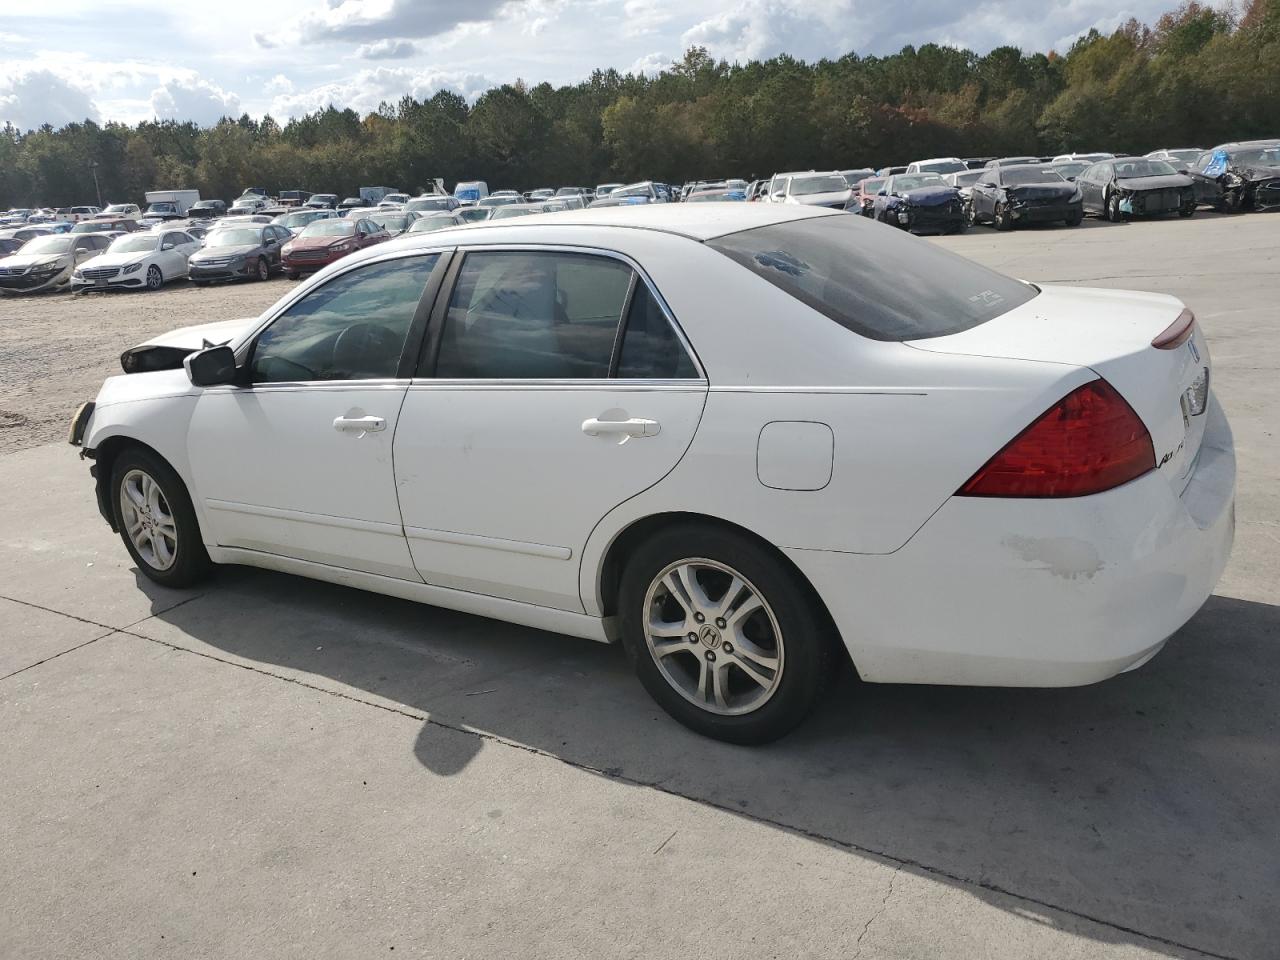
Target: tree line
{"x":1197,"y":77}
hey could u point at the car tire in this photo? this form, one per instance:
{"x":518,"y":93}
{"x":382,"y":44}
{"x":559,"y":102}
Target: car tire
{"x":155,"y":279}
{"x":1231,"y":201}
{"x":1074,"y":221}
{"x":703,"y":683}
{"x":1114,"y":213}
{"x":1001,"y":218}
{"x":1187,"y":210}
{"x":294,"y":276}
{"x":156,"y":520}
{"x":970,"y":218}
{"x":264,"y":270}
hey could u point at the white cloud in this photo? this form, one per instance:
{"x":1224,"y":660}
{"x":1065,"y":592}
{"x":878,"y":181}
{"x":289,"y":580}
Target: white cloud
{"x":364,"y":91}
{"x":278,"y":84}
{"x":650,"y":64}
{"x":193,"y":99}
{"x":389,"y":49}
{"x":36,"y":97}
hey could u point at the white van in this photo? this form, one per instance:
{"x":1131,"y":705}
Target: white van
{"x":471,"y":191}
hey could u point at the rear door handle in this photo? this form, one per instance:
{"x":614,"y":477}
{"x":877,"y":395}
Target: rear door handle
{"x":359,"y":425}
{"x":636,"y":427}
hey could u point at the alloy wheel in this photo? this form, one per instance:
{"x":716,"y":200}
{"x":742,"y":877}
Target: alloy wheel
{"x":713,"y":636}
{"x":148,"y":520}
{"x":154,"y":278}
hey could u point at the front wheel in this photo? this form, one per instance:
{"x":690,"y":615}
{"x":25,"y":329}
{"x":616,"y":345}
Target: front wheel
{"x":155,"y":279}
{"x":1114,"y":213}
{"x":156,"y":520}
{"x":724,"y":636}
{"x":1002,"y":219}
{"x":1187,"y":210}
{"x":1074,"y":221}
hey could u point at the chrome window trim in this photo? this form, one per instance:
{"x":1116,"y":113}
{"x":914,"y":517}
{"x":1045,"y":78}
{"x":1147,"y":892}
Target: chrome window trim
{"x":587,"y":250}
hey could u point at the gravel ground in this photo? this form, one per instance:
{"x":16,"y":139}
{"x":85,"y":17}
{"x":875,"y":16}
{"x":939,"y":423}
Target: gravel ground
{"x":56,"y":349}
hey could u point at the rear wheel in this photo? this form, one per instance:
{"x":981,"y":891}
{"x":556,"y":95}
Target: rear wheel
{"x":264,"y":271}
{"x":156,"y":520}
{"x":722,"y":635}
{"x":293,"y":275}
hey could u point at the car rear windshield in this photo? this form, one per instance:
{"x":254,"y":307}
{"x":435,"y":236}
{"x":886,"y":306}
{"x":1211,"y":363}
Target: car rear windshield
{"x":882,"y":284}
{"x":805,"y":186}
{"x":1023,"y":175}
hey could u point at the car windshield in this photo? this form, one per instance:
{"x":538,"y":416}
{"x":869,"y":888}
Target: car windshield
{"x":555,"y":206}
{"x":1184,"y":157}
{"x":1069,"y":168}
{"x":506,"y":213}
{"x":915,"y":181}
{"x":805,"y":186}
{"x":968,"y":178}
{"x":138,"y":243}
{"x":236,"y":237}
{"x":853,"y":178}
{"x":428,"y":224}
{"x":391,"y":221}
{"x":568,"y":191}
{"x":90,"y":227}
{"x":714,"y":195}
{"x":1258,"y":156}
{"x":502,"y":201}
{"x":942,"y":166}
{"x":329,"y":228}
{"x":300,"y":219}
{"x":48,"y":245}
{"x":1129,"y":169}
{"x":879,"y":283}
{"x":1020,"y":175}
{"x":872,"y":185}
{"x":634,"y":190}
{"x":118,"y":208}
{"x":428,"y":203}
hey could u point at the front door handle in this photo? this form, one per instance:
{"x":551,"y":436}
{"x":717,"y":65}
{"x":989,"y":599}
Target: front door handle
{"x":635,"y":427}
{"x":359,"y":425}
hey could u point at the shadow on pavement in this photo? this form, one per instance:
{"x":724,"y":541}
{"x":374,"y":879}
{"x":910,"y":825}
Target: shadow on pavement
{"x":1148,"y":802}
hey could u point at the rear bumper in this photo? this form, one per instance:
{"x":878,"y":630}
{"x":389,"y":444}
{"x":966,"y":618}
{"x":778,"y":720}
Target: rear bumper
{"x":1038,"y":593}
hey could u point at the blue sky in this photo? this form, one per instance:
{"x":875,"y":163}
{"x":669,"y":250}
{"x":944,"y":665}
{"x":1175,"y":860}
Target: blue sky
{"x":64,"y":60}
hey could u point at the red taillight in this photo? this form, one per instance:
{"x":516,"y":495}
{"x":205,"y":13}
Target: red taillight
{"x":1177,"y":333}
{"x":1089,"y":441}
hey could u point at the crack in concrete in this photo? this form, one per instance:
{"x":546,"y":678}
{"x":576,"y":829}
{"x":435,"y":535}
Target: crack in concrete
{"x":884,"y":905}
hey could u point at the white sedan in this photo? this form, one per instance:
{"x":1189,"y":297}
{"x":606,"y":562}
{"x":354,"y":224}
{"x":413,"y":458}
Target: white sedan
{"x":745,"y":440}
{"x":138,"y":261}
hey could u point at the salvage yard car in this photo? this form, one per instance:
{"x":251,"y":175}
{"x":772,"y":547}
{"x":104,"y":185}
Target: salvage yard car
{"x":1013,"y":194}
{"x":1135,"y":187}
{"x":248,"y":252}
{"x":920,"y":202}
{"x":747,"y":440}
{"x":146,"y":260}
{"x":1239,"y":176}
{"x":321,"y":243}
{"x":45,"y":263}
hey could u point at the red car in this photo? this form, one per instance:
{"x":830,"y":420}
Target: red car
{"x":864,"y":195}
{"x":323,"y":241}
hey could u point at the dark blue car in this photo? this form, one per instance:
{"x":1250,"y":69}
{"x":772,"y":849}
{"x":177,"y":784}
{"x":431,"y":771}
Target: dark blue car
{"x":921,"y":203}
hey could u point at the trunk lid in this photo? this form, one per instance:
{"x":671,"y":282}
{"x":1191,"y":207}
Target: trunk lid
{"x":1110,"y":332}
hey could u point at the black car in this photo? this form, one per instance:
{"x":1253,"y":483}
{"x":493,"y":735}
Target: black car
{"x":1019,"y":193}
{"x":351,"y":203}
{"x":207,"y":209}
{"x":236,"y":252}
{"x":322,"y":201}
{"x":1134,"y":186}
{"x":920,"y":202}
{"x":1238,"y":176}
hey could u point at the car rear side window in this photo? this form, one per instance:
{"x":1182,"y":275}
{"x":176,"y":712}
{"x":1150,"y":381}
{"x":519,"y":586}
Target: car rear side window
{"x":521,"y":315}
{"x":650,"y":348}
{"x":874,"y":280}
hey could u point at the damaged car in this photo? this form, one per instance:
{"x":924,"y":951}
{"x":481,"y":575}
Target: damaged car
{"x":1021,"y":193}
{"x":920,"y":202}
{"x":1135,"y":187}
{"x":1239,"y":176}
{"x":45,"y":263}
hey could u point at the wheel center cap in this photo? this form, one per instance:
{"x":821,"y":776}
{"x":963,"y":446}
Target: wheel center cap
{"x":709,"y":636}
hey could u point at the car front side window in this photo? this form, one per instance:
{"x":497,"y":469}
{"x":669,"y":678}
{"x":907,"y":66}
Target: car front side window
{"x":352,"y":328}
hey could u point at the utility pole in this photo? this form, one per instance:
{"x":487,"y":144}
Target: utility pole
{"x":96,"y":189}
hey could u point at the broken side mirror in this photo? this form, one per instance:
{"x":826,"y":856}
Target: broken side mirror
{"x":212,"y":366}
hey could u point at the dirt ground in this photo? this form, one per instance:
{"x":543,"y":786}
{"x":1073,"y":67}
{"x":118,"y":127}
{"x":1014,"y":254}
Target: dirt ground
{"x":56,"y":349}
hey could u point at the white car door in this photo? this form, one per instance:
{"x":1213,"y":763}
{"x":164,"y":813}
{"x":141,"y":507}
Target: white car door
{"x":297,"y":461}
{"x":555,"y":387}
